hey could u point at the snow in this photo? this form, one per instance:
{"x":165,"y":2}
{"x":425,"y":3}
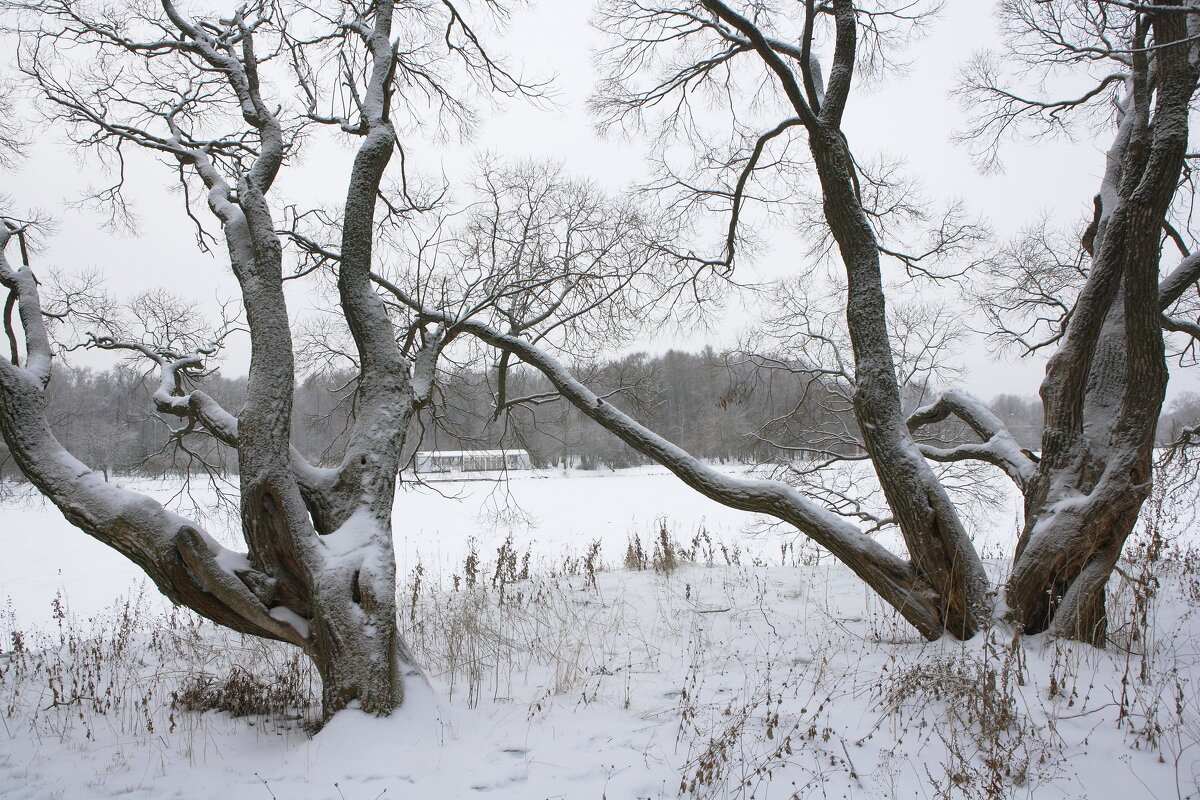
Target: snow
{"x":232,"y":562}
{"x":348,"y":541}
{"x":551,"y":511}
{"x":749,"y":671}
{"x":291,"y":618}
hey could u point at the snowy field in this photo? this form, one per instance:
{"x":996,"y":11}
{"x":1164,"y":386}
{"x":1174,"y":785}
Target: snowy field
{"x":733,"y":662}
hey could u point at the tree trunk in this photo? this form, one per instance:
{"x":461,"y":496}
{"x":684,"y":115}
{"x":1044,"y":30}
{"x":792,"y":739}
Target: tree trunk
{"x":359,"y":652}
{"x":1104,"y":387}
{"x":937,"y":542}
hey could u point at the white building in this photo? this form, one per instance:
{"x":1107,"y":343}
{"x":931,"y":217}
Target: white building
{"x":472,"y":460}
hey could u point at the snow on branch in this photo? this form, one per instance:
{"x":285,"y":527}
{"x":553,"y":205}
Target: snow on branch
{"x":998,"y":446}
{"x":894,"y":578}
{"x":189,"y":566}
{"x":23,"y":294}
{"x":169,"y":397}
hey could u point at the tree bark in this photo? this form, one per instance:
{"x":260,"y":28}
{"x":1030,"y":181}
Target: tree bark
{"x":938,"y":544}
{"x":1104,"y":387}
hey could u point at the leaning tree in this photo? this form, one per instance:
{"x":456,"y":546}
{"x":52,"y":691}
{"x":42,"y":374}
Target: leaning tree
{"x":206,"y":94}
{"x":1104,"y":385}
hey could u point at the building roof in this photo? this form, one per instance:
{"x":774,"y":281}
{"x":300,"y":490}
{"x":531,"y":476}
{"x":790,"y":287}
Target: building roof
{"x":458,"y":453}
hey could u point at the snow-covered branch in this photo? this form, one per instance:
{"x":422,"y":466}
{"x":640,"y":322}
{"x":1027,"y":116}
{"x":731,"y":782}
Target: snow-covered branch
{"x":997,"y":447}
{"x":23,"y":289}
{"x":189,"y":566}
{"x":1185,"y":274}
{"x":888,"y":574}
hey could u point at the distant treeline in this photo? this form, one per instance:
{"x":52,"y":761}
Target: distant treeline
{"x":715,"y":406}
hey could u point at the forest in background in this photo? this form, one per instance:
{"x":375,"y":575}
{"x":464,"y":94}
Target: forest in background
{"x":719,"y":406}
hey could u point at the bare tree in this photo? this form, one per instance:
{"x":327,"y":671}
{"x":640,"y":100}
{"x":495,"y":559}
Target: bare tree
{"x":702,"y":46}
{"x":1104,"y":386}
{"x":1105,"y":383}
{"x":319,"y":570}
{"x":786,"y":61}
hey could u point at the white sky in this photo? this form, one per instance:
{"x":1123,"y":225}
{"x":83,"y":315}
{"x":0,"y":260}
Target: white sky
{"x":913,"y":117}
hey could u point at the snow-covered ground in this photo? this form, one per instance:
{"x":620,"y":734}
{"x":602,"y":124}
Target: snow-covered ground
{"x":550,"y":512}
{"x":750,"y":669}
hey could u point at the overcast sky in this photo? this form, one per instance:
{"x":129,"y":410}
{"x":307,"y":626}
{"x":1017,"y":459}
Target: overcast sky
{"x":913,"y":116}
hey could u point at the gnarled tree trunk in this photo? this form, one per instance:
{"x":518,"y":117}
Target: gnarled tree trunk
{"x":1104,"y":387}
{"x":319,"y":571}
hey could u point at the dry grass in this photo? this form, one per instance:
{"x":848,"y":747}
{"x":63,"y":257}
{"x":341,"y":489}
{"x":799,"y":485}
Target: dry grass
{"x":744,"y":708}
